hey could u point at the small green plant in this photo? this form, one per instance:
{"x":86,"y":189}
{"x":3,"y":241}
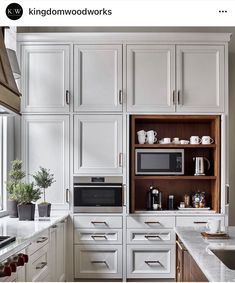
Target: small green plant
{"x":16,"y":175}
{"x":43,"y":180}
{"x":25,"y":193}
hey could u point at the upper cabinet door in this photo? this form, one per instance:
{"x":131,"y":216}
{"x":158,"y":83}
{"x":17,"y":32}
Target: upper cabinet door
{"x":45,"y":78}
{"x":45,"y":142}
{"x":97,"y":78}
{"x":98,"y":144}
{"x":200,"y":78}
{"x":150,"y":78}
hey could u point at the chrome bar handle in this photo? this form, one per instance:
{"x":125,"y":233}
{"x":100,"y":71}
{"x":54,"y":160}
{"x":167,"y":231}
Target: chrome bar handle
{"x":149,"y":262}
{"x":120,"y":157}
{"x":123,"y":195}
{"x":173,"y":98}
{"x":152,"y":237}
{"x":200,"y":222}
{"x":227,"y":194}
{"x":67,"y":97}
{"x":100,"y":261}
{"x":120,"y":96}
{"x":67,"y":196}
{"x":152,"y":222}
{"x":41,"y":265}
{"x":41,"y":240}
{"x":99,"y":222}
{"x":99,"y":237}
{"x":178,"y":97}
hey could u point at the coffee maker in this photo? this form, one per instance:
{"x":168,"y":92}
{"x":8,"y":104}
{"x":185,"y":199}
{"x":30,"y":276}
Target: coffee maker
{"x":154,"y":199}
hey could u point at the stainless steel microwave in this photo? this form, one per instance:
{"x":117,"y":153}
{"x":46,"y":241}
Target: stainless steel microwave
{"x":159,"y":161}
{"x":98,"y":194}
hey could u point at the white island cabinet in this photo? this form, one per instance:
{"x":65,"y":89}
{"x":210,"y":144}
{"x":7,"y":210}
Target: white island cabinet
{"x":45,"y":143}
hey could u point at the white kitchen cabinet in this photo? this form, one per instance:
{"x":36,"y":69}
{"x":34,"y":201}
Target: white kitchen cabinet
{"x":100,"y":261}
{"x":197,"y":85}
{"x":200,"y":72}
{"x":151,"y":261}
{"x":58,"y":252}
{"x":98,"y":144}
{"x":45,"y":142}
{"x":97,"y":77}
{"x":45,"y":82}
{"x":150,"y":78}
{"x":197,"y":221}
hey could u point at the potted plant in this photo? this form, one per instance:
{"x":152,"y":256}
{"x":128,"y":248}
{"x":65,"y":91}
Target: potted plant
{"x":25,"y":194}
{"x":15,"y":177}
{"x":43,"y":180}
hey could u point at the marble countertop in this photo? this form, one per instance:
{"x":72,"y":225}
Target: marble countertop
{"x":199,"y":248}
{"x":25,"y":231}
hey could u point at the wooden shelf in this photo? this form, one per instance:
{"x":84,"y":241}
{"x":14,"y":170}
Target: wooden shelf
{"x":175,"y":177}
{"x":157,"y":145}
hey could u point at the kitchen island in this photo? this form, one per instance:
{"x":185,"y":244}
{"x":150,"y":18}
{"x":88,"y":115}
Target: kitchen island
{"x":200,"y":250}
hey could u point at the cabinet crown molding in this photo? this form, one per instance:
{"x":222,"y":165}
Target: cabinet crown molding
{"x":126,"y":37}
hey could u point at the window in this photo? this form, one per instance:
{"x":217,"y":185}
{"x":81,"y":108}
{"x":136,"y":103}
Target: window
{"x":3,"y":162}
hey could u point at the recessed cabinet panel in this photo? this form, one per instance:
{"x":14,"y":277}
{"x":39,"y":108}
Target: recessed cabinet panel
{"x":46,"y":143}
{"x":150,"y":78}
{"x":45,"y":78}
{"x":97,"y":77}
{"x":97,"y":144}
{"x":200,"y":78}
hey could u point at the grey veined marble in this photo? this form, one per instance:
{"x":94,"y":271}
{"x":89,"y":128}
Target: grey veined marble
{"x":199,"y":248}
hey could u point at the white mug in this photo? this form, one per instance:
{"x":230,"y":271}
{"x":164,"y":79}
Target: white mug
{"x":214,"y":225}
{"x":142,"y":139}
{"x":151,"y":133}
{"x":195,"y":140}
{"x":207,"y":140}
{"x":151,"y":139}
{"x":166,"y":140}
{"x":141,"y":132}
{"x":176,"y":140}
{"x":184,"y":142}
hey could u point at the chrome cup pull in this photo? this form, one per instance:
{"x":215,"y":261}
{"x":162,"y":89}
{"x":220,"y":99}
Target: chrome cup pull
{"x":153,"y":262}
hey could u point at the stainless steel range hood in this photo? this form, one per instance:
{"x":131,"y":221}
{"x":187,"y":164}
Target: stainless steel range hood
{"x":9,"y":93}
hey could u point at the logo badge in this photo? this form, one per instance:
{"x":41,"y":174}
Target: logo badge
{"x":14,"y":11}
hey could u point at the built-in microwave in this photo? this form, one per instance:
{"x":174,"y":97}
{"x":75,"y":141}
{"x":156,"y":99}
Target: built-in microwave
{"x":98,"y":194}
{"x":159,"y":161}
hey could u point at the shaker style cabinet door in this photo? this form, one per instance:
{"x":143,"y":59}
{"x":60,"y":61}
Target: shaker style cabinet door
{"x":97,"y":78}
{"x":200,"y":78}
{"x":150,"y":78}
{"x":98,"y":144}
{"x":46,"y":143}
{"x":45,"y":78}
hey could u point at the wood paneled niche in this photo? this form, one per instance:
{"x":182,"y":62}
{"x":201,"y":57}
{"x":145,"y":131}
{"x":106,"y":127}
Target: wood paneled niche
{"x":182,"y":126}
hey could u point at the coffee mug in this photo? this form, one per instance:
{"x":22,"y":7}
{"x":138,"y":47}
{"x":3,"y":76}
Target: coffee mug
{"x":166,"y":140}
{"x":151,"y":139}
{"x":151,"y":133}
{"x":141,"y":132}
{"x":214,"y":225}
{"x":176,"y":140}
{"x":207,"y":140}
{"x":184,"y":142}
{"x":195,"y":140}
{"x":142,"y":139}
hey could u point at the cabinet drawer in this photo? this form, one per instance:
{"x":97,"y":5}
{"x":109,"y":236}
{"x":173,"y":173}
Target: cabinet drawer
{"x":37,"y":267}
{"x":101,"y":261}
{"x":151,"y":236}
{"x":39,"y":242}
{"x":197,"y":221}
{"x":97,"y":236}
{"x":151,"y":261}
{"x":153,"y":222}
{"x":104,"y":222}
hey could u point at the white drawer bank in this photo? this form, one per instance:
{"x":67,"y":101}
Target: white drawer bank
{"x":98,"y":247}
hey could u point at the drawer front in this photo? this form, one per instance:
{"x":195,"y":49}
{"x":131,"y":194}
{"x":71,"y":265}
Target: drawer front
{"x":39,"y":242}
{"x":98,"y":222}
{"x":151,"y":262}
{"x":153,"y":222}
{"x":101,"y":261}
{"x":197,"y":221}
{"x":150,"y":236}
{"x":98,"y":236}
{"x":37,"y":267}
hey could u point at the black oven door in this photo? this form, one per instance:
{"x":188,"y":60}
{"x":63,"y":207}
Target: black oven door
{"x":98,"y":197}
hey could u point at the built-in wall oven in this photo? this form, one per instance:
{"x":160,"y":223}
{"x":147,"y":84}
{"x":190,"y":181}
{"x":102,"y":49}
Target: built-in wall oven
{"x":98,"y":194}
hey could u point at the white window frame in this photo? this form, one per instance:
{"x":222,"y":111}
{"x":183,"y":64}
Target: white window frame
{"x":3,"y":165}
